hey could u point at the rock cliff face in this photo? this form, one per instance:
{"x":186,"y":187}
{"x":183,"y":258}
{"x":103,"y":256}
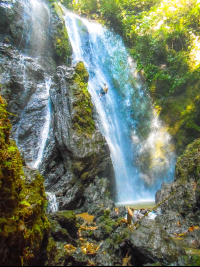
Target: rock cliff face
{"x":79,"y":152}
{"x":39,"y":85}
{"x":181,"y":211}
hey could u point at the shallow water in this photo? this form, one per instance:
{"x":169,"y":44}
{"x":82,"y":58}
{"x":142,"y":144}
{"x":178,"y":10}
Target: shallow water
{"x":138,"y":205}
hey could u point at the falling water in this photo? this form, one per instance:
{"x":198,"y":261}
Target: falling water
{"x":34,"y":43}
{"x":34,"y":39}
{"x":140,"y":146}
{"x":46,"y":126}
{"x":52,"y":203}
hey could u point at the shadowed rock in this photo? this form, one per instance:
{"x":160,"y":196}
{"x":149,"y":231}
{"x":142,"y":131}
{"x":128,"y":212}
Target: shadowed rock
{"x":182,"y":209}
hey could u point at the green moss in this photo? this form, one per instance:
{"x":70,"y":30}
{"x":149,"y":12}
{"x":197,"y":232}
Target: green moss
{"x":85,"y":176}
{"x":69,"y":216}
{"x":83,"y":121}
{"x":106,"y":213}
{"x":82,"y":72}
{"x":188,"y":164}
{"x":67,"y":220}
{"x":195,"y":261}
{"x":22,"y":203}
{"x":61,"y":40}
{"x":181,"y":113}
{"x":108,"y":226}
{"x":54,"y":253}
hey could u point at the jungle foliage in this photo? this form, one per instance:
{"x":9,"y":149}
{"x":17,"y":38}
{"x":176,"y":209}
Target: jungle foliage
{"x":163,"y":38}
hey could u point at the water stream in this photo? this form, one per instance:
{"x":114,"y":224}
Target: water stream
{"x":52,"y":203}
{"x":46,"y":126}
{"x":140,"y":146}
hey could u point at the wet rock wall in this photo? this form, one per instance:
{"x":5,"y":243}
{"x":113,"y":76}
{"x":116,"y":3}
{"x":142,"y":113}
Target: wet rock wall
{"x":34,"y":48}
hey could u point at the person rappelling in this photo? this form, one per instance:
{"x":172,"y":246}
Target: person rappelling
{"x":105,"y":90}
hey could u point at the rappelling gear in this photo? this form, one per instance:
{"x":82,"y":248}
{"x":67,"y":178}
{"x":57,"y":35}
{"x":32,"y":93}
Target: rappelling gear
{"x":137,"y":224}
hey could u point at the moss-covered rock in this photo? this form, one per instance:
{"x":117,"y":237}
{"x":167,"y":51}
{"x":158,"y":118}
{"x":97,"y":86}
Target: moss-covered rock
{"x":60,"y":38}
{"x":181,"y":113}
{"x":82,"y":119}
{"x":67,"y":221}
{"x":52,"y":253}
{"x":58,"y":233}
{"x":188,"y":165}
{"x":181,"y":210}
{"x":23,"y":224}
{"x":151,"y":244}
{"x":106,"y":227}
{"x":81,"y":152}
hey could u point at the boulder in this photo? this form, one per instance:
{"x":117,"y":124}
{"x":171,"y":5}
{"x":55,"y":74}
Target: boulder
{"x":181,"y":210}
{"x":118,"y":213}
{"x":67,"y":220}
{"x":60,"y":234}
{"x":193,"y":238}
{"x":151,"y":244}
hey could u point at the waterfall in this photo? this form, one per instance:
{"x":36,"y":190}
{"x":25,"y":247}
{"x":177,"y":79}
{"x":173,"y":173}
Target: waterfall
{"x":34,"y":41}
{"x":46,"y":126}
{"x":141,"y":149}
{"x":52,"y":203}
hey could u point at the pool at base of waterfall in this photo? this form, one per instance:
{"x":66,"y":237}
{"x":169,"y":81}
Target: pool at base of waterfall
{"x":138,"y":205}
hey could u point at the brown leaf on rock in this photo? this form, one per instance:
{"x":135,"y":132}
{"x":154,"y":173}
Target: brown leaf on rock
{"x":90,"y":248}
{"x":85,"y":228}
{"x":70,"y":249}
{"x":192,"y":228}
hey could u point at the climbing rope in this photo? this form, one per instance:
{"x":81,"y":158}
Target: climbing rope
{"x":137,"y":224}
